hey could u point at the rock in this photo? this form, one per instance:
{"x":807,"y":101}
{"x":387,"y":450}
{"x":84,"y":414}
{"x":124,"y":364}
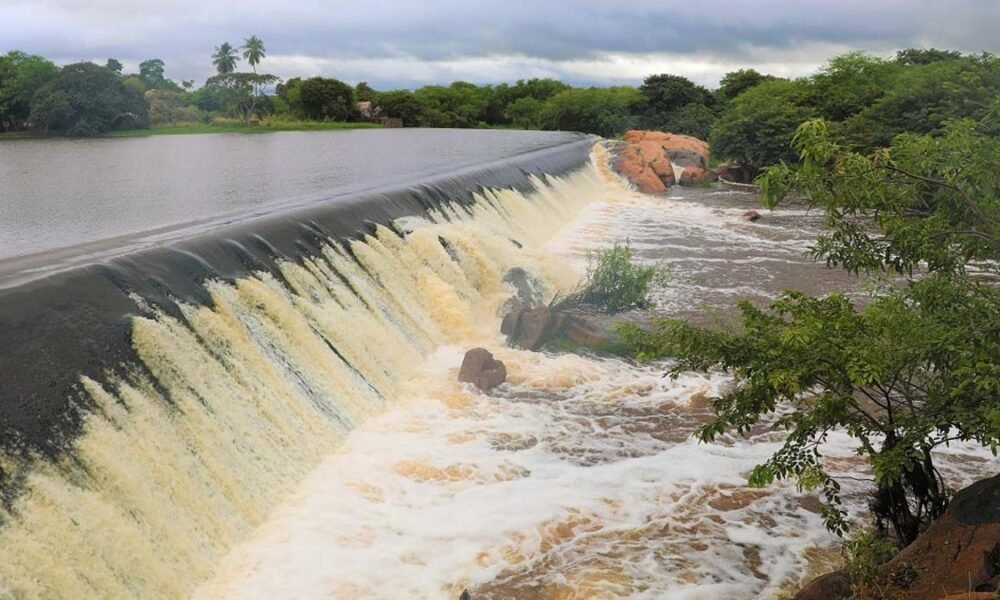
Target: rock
{"x":482,"y":370}
{"x":648,"y":156}
{"x":599,"y":331}
{"x":692,"y":176}
{"x":683,"y":157}
{"x":751,"y":215}
{"x":722,"y":170}
{"x":832,"y":586}
{"x":531,"y":327}
{"x":959,"y":552}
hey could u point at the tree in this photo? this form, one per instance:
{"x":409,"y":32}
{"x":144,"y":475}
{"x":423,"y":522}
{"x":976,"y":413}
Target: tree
{"x":913,"y":369}
{"x":735,"y":83}
{"x":21,"y":76}
{"x":662,"y":95}
{"x":224,"y":58}
{"x":694,"y":119}
{"x":921,"y":56}
{"x":757,"y":128}
{"x":923,"y":97}
{"x":850,"y":83}
{"x":400,"y":104}
{"x":254,"y":51}
{"x":325,"y":98}
{"x":85,"y":99}
{"x":527,"y":113}
{"x":114,"y":65}
{"x":151,"y":72}
{"x":237,"y":92}
{"x":364,"y":92}
{"x":601,"y":111}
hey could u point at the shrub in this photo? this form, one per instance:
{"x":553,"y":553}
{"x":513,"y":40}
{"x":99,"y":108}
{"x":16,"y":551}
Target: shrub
{"x":615,"y":283}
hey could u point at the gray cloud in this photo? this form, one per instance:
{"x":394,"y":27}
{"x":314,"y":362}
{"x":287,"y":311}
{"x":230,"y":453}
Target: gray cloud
{"x":414,"y":42}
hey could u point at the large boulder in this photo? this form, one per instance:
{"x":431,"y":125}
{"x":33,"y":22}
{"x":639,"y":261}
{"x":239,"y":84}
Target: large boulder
{"x":959,"y":552}
{"x":647,"y":158}
{"x":530,"y":328}
{"x":958,"y":556}
{"x":482,"y":370}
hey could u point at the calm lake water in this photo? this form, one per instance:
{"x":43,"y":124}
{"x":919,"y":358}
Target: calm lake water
{"x":58,"y":193}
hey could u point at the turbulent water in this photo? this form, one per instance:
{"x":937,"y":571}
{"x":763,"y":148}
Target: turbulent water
{"x":316,"y":443}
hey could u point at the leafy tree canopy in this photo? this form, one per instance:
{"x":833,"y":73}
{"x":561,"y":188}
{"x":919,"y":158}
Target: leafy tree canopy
{"x":913,"y":369}
{"x":85,"y":99}
{"x":21,"y":76}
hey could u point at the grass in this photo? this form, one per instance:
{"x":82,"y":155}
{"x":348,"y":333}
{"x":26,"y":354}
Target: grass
{"x":229,"y":126}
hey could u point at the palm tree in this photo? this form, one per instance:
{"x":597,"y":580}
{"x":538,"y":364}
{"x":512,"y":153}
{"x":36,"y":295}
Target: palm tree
{"x":254,"y":51}
{"x":225,"y":58}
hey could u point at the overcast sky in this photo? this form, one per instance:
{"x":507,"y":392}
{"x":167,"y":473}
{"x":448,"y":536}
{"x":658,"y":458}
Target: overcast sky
{"x":399,"y":43}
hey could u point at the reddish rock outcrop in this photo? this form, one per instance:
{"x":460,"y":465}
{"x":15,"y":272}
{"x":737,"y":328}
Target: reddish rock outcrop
{"x":692,"y":176}
{"x":957,"y":557}
{"x":648,"y":156}
{"x":482,"y":370}
{"x":960,"y":551}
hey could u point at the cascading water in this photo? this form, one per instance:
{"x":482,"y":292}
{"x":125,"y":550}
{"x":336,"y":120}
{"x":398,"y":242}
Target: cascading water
{"x":235,"y":401}
{"x":295,"y":430}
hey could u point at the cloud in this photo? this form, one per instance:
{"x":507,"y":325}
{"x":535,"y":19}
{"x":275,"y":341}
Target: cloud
{"x":394,"y":42}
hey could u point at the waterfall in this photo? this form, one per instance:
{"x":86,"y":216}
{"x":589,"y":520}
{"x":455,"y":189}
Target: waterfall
{"x":210,"y":393}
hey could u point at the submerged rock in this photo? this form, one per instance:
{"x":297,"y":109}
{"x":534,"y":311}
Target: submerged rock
{"x":571,"y":328}
{"x":751,"y":215}
{"x":482,"y":370}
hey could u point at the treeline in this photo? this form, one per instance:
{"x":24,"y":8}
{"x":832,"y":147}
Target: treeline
{"x":749,"y":118}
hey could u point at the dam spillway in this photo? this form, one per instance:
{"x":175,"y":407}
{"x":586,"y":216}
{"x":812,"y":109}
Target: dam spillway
{"x":163,"y":390}
{"x":262,"y":402}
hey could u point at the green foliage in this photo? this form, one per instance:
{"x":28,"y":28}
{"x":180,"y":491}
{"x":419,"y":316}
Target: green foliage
{"x":21,"y":76}
{"x":401,"y":104}
{"x":602,"y":111}
{"x":735,"y":83}
{"x":460,"y":104}
{"x":254,"y":51}
{"x":850,"y":83}
{"x":151,"y":72}
{"x":864,"y":552}
{"x":527,"y":113}
{"x":923,"y":98}
{"x":758,"y":126}
{"x":915,"y":367}
{"x":324,"y":98}
{"x":114,"y":65}
{"x":663,"y":95}
{"x":615,"y":283}
{"x":364,"y":92}
{"x":86,"y":100}
{"x":693,"y":119}
{"x":236,"y":93}
{"x":224,"y":58}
